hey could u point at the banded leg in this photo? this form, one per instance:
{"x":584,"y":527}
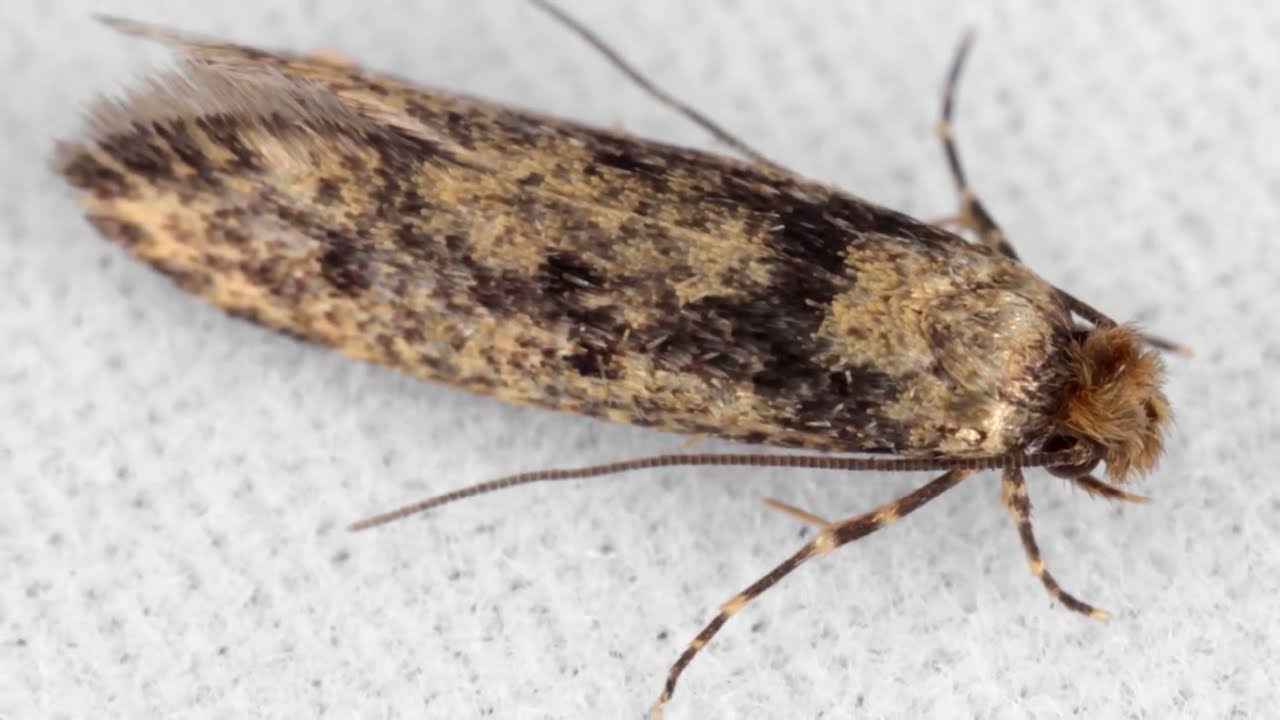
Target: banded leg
{"x":1018,"y":504}
{"x":973,"y":215}
{"x":830,"y":537}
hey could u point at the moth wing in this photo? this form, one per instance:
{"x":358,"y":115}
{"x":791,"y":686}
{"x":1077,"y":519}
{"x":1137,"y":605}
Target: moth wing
{"x":214,"y":78}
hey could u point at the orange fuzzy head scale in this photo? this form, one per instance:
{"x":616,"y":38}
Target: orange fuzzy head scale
{"x":1115,"y":403}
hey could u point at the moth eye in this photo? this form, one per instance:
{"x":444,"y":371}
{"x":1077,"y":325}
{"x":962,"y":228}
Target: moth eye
{"x":1057,"y":443}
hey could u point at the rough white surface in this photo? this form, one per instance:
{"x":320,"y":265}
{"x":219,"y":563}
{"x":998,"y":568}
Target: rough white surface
{"x":175,"y":483}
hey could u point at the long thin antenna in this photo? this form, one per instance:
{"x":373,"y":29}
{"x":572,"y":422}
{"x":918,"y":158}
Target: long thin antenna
{"x":811,"y":462}
{"x":654,"y":91}
{"x":1099,"y":319}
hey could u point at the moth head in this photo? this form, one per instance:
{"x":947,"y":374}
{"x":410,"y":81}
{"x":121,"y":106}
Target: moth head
{"x":1114,"y":405}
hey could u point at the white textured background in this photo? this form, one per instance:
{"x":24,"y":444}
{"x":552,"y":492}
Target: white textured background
{"x":174,"y":484}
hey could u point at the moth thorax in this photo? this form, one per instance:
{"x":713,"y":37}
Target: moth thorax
{"x":1114,"y":403}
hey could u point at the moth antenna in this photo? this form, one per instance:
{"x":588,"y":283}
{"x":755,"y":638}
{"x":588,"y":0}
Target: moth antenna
{"x":809,"y":462}
{"x":697,"y":118}
{"x":1166,"y":345}
{"x":1102,"y":320}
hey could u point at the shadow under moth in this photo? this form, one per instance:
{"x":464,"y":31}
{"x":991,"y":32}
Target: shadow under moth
{"x":543,"y":262}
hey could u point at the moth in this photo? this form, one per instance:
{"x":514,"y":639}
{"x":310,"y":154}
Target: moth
{"x":544,"y":262}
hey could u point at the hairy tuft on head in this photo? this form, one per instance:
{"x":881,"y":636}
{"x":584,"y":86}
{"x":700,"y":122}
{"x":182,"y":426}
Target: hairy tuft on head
{"x":1115,"y":401}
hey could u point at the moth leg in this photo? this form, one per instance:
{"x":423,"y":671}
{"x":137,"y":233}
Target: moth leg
{"x":798,"y":513}
{"x":973,"y":215}
{"x":832,"y":536}
{"x":1100,"y":489}
{"x":1018,"y":504}
{"x":956,"y":221}
{"x":694,"y":441}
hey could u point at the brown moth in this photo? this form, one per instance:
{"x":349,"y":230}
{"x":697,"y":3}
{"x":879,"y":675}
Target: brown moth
{"x":544,"y":262}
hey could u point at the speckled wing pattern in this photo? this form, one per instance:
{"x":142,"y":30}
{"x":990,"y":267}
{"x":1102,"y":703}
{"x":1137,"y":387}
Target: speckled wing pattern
{"x":543,"y":262}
